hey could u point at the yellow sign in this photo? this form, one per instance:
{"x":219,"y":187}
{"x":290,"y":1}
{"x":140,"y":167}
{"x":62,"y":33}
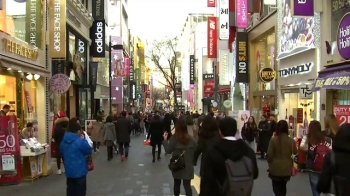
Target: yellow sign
{"x":57,"y":29}
{"x":21,"y":50}
{"x":333,"y":82}
{"x":267,"y":74}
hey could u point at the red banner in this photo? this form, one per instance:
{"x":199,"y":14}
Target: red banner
{"x":208,"y":90}
{"x":342,"y":113}
{"x":28,"y":102}
{"x":211,"y":3}
{"x":127,"y":66}
{"x":212,"y":37}
{"x":10,"y":153}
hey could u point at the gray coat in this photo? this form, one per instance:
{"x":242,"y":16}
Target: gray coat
{"x":175,"y":148}
{"x":123,"y":129}
{"x":109,"y":132}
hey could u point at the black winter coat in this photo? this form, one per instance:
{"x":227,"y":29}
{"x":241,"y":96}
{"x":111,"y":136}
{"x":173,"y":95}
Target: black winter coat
{"x":338,"y":172}
{"x":214,"y":171}
{"x":156,"y":131}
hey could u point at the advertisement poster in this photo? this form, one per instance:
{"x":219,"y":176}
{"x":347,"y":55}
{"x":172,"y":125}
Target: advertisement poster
{"x":243,"y":116}
{"x":10,"y":150}
{"x":234,"y":115}
{"x":303,"y":131}
{"x":117,"y":60}
{"x":342,"y":113}
{"x":33,"y":161}
{"x":40,"y":164}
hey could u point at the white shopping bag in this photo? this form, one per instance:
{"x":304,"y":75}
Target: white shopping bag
{"x":87,"y":137}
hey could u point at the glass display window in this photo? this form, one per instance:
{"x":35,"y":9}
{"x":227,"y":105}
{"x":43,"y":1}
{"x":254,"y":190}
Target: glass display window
{"x":8,"y":94}
{"x":265,"y":57}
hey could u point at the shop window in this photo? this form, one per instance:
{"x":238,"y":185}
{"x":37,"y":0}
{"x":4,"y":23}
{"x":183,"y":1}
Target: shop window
{"x":8,"y":93}
{"x":19,"y":22}
{"x":337,"y":97}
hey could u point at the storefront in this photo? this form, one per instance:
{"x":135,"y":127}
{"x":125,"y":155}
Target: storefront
{"x":335,"y":59}
{"x":262,"y":58}
{"x":74,"y":49}
{"x":23,"y":83}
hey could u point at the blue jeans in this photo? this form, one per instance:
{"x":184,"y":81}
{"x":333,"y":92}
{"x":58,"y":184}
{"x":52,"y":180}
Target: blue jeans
{"x":313,"y":177}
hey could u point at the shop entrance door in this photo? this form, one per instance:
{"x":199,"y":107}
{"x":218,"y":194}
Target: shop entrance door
{"x":85,"y":98}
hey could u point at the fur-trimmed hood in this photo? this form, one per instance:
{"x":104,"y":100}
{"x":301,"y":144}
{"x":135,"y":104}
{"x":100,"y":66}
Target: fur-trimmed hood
{"x":62,"y":119}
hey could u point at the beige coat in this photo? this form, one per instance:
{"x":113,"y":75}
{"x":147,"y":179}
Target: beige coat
{"x":97,"y":132}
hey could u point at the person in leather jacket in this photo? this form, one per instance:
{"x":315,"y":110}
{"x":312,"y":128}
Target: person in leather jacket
{"x":264,"y":135}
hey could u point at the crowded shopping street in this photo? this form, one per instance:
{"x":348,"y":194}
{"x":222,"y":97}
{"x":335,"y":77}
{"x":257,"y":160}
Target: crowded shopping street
{"x":138,"y":176}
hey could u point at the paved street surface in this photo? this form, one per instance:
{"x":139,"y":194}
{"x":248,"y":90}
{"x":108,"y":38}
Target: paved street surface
{"x":138,"y":177}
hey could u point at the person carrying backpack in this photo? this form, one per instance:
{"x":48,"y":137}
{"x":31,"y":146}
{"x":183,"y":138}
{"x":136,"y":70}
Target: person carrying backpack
{"x":336,"y":165}
{"x":317,"y":146}
{"x":230,"y":165}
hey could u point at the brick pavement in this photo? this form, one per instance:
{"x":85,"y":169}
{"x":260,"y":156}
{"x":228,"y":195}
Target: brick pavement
{"x":138,"y":177}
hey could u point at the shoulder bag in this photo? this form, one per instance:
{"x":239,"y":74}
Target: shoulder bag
{"x":177,"y":162}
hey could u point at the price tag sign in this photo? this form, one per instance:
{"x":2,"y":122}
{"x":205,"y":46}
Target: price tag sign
{"x":342,"y":113}
{"x":8,"y":162}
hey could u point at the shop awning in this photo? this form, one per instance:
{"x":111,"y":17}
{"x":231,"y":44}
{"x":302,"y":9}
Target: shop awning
{"x":333,"y":81}
{"x":224,"y":89}
{"x":24,"y":67}
{"x":332,"y":70}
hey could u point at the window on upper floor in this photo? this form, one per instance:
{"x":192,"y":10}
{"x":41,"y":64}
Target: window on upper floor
{"x":85,"y":3}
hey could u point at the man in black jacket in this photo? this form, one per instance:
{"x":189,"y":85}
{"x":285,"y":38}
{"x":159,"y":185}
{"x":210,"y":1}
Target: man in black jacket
{"x":214,"y":172}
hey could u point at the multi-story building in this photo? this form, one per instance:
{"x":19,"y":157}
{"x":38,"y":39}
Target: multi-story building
{"x":138,"y":51}
{"x":191,"y":44}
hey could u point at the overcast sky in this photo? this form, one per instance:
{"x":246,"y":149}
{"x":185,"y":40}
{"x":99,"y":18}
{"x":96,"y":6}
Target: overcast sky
{"x":154,"y":19}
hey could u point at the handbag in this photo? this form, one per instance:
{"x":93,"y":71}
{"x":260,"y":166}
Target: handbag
{"x":177,"y":163}
{"x":90,"y":164}
{"x":294,"y":161}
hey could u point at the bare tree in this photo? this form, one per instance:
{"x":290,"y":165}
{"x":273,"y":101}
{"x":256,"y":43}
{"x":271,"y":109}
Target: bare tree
{"x":157,"y":94}
{"x":164,"y":56}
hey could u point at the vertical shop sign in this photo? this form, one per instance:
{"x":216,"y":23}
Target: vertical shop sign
{"x":223,"y":68}
{"x":343,"y":38}
{"x":127,"y":66}
{"x":224,"y":25}
{"x":137,"y":80}
{"x":117,"y":58}
{"x":242,"y":14}
{"x":98,"y":38}
{"x":93,"y":74}
{"x":242,"y":67}
{"x":10,"y":150}
{"x":192,"y":72}
{"x":131,"y":67}
{"x":302,"y":8}
{"x":212,"y":37}
{"x":133,"y":90}
{"x":98,"y":9}
{"x":211,"y":3}
{"x":57,"y":29}
{"x":34,"y":23}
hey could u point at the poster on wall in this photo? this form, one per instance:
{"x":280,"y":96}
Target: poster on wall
{"x":297,"y":33}
{"x":342,"y":113}
{"x":243,"y":116}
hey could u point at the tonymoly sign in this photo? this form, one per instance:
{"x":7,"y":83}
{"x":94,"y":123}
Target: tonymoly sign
{"x":299,"y":69}
{"x":97,"y":34}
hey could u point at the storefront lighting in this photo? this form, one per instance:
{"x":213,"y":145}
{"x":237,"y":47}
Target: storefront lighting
{"x":36,"y":76}
{"x":19,"y":71}
{"x":29,"y":76}
{"x":8,"y":69}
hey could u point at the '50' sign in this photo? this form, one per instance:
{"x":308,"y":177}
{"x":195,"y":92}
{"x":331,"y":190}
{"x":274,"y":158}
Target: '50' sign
{"x":7,"y":141}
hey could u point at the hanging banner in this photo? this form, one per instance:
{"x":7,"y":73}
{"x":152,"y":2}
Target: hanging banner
{"x":133,"y":90}
{"x":127,"y":65}
{"x":212,"y":37}
{"x":57,"y":29}
{"x":224,"y":25}
{"x":131,"y":67}
{"x":223,"y":67}
{"x":34,"y":23}
{"x":117,"y":63}
{"x":98,"y":39}
{"x":242,"y":68}
{"x":28,"y":102}
{"x":93,"y":74}
{"x":192,"y":71}
{"x":301,"y":8}
{"x":242,"y":20}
